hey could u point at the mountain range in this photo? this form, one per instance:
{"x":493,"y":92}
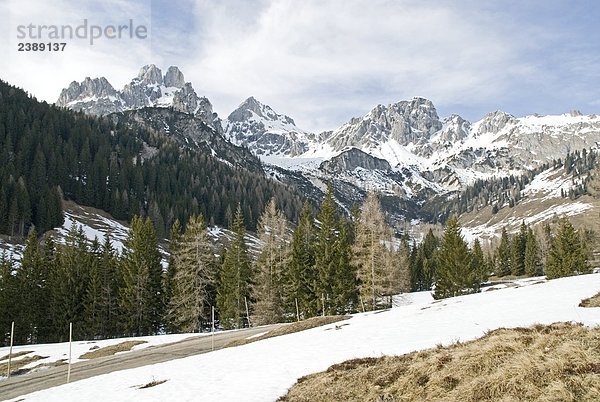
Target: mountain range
{"x":405,"y":150}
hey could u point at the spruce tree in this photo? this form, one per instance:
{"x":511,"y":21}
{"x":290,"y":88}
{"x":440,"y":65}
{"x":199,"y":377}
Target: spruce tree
{"x":34,"y":297}
{"x":268,"y":290}
{"x":235,"y":279}
{"x":478,"y":263}
{"x":68,"y":285}
{"x":300,"y":279}
{"x":532,"y":259}
{"x":93,"y":308}
{"x":454,"y":276}
{"x":518,"y":251}
{"x":567,"y":253}
{"x":344,"y":290}
{"x":503,"y":255}
{"x":140,"y":298}
{"x":193,"y":280}
{"x":326,"y":248}
{"x":8,"y":297}
{"x":168,"y":277}
{"x":110,"y":284}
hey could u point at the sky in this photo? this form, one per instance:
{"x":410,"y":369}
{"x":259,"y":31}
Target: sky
{"x":324,"y":62}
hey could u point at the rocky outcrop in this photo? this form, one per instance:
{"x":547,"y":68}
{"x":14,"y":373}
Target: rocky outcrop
{"x":352,"y":159}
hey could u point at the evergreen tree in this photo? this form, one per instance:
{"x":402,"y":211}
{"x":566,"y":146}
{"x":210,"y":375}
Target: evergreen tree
{"x":503,"y":255}
{"x":168,"y":277}
{"x":301,"y":278}
{"x":93,"y":308}
{"x":326,"y":247}
{"x":478,"y":263}
{"x":344,"y":287}
{"x":567,"y":253}
{"x":454,"y":276}
{"x":518,"y":251}
{"x":8,"y":297}
{"x":33,"y":296}
{"x":532,"y":259}
{"x":68,"y":285}
{"x":140,"y":298}
{"x":110,"y":284}
{"x":193,"y":279}
{"x":268,"y":291}
{"x":235,"y":280}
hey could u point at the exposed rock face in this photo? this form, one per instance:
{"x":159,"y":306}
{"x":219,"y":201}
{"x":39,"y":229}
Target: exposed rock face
{"x":148,"y":89}
{"x":352,"y":159}
{"x":264,"y":131}
{"x":405,"y":122}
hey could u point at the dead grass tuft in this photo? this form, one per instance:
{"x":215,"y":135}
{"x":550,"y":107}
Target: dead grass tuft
{"x":558,"y":362}
{"x":15,"y":355}
{"x":292,"y":328}
{"x":16,"y":366}
{"x":593,"y":301}
{"x":111,"y":350}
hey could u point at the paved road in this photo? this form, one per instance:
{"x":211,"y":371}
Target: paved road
{"x":52,"y":377}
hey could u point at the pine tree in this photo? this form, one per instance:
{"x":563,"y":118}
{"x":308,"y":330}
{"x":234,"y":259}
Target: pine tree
{"x":300,"y":278}
{"x":140,"y":298}
{"x":344,"y":287}
{"x":235,"y":280}
{"x":193,"y":279}
{"x":370,"y":253}
{"x":567,"y":253}
{"x":455,"y":276}
{"x":532,"y":259}
{"x":268,"y":291}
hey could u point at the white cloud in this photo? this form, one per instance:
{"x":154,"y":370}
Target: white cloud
{"x":311,"y":57}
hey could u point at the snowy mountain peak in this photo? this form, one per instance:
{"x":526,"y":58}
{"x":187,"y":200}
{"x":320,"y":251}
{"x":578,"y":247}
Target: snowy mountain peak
{"x":148,"y":89}
{"x":264,"y":131}
{"x":404,"y":122}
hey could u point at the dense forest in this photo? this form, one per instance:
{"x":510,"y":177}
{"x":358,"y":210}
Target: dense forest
{"x":47,"y":154}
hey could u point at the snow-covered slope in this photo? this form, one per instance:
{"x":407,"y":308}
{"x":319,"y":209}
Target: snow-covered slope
{"x":263,"y":371}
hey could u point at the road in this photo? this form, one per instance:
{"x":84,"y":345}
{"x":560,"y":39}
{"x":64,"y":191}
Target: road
{"x":52,"y":377}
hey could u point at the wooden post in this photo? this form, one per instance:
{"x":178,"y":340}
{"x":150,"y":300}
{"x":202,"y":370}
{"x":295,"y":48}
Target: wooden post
{"x":212,"y":330}
{"x":70,"y":350}
{"x":297,"y":311}
{"x":247,"y":311}
{"x":12,"y":334}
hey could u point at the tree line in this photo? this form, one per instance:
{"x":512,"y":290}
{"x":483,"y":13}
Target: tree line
{"x":328,"y":264}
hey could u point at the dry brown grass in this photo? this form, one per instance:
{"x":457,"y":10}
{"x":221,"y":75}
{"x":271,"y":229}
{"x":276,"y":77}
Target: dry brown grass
{"x":111,"y":350}
{"x":593,"y":301}
{"x":560,"y":362}
{"x":291,"y":328}
{"x":15,"y":355}
{"x":16,"y":366}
